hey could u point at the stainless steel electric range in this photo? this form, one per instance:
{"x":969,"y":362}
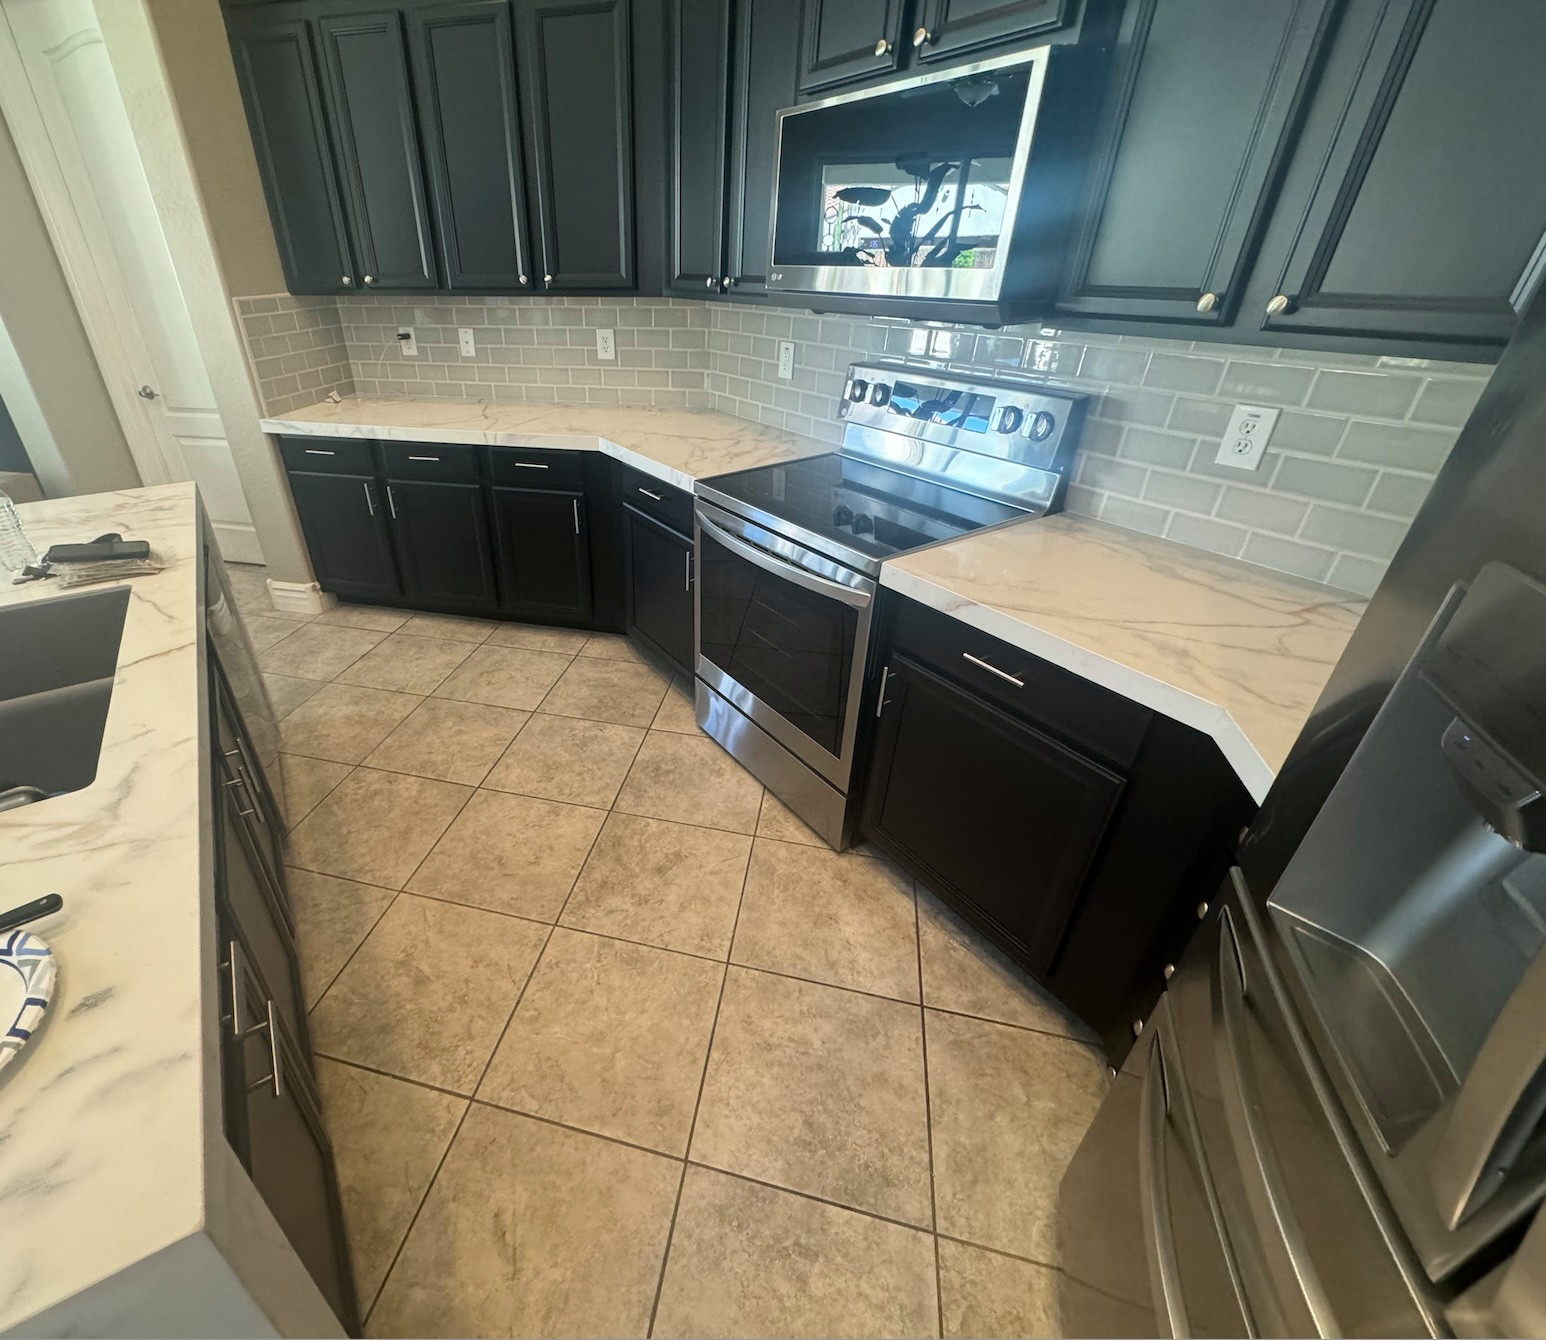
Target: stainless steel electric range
{"x":788,"y":559}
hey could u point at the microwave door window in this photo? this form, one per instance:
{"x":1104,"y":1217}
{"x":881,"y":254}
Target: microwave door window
{"x":944,"y":214}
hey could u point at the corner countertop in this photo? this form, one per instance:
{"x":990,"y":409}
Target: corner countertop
{"x":1239,"y":652}
{"x":678,"y":446}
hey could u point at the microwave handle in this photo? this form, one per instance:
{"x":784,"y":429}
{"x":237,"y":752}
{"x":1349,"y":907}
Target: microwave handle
{"x":760,"y":558}
{"x":1498,"y":1107}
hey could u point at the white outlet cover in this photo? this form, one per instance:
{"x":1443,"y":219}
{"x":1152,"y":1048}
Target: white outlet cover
{"x":606,"y":344}
{"x":1245,"y":439}
{"x":469,"y":345}
{"x":407,"y":342}
{"x":786,"y":359}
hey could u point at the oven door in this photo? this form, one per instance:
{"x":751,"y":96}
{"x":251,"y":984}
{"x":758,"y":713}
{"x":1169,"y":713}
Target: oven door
{"x":782,"y":634}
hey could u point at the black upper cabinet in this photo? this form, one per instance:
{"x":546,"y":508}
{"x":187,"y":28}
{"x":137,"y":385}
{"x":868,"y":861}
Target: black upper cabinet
{"x":442,"y":543}
{"x":844,"y":40}
{"x":948,"y":29}
{"x":1185,"y":159}
{"x":464,"y":70}
{"x":576,"y":92}
{"x":660,"y":603}
{"x":1417,"y":204}
{"x":277,"y":72}
{"x":544,"y":555}
{"x":344,"y":519}
{"x":377,"y":142}
{"x":700,"y":97}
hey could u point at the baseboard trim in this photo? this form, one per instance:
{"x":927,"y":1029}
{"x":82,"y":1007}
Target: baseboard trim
{"x":299,"y":597}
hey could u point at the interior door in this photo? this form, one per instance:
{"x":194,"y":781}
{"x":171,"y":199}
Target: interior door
{"x":121,"y":270}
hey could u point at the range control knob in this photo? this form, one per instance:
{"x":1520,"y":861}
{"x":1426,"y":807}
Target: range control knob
{"x":841,"y":515}
{"x":880,"y":393}
{"x":864,"y":524}
{"x":1040,"y":425}
{"x":858,"y":388}
{"x":1009,"y":419}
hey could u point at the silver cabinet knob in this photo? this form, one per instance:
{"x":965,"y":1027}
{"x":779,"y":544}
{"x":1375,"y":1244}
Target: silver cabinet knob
{"x":1207,"y":302}
{"x":1278,"y":305}
{"x":547,"y":279}
{"x":922,"y":37}
{"x":147,"y":393}
{"x":882,"y":46}
{"x":727,"y":282}
{"x":522,"y":278}
{"x":370,"y":279}
{"x":708,"y":282}
{"x":347,"y":281}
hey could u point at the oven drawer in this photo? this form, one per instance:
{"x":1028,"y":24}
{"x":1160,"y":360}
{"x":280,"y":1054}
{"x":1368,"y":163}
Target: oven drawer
{"x":664,"y":502}
{"x":435,"y":462}
{"x":535,"y":468}
{"x":328,"y":455}
{"x":1024,"y":685}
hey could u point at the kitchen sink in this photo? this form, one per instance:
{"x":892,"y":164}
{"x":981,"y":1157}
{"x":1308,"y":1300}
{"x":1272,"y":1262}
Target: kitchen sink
{"x":57,"y":662}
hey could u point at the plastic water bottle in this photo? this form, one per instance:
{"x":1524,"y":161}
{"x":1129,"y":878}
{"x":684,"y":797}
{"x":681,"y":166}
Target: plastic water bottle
{"x":16,"y":551}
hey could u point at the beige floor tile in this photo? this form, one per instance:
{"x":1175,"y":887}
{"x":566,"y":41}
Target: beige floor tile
{"x":318,"y":651}
{"x":676,"y":710}
{"x":692,"y":780}
{"x":603,"y":690}
{"x":332,"y":918}
{"x":510,"y":854}
{"x":818,"y":1090}
{"x":748,"y":1260}
{"x":613,"y":647}
{"x":429,"y":992}
{"x":609,"y":1037}
{"x":778,"y":821}
{"x":387,"y":1137}
{"x":264,"y":630}
{"x":504,"y":677}
{"x":539,"y":637}
{"x":844,"y":920}
{"x":407,"y":664}
{"x":364,"y":616}
{"x":287,"y":692}
{"x":308,"y":781}
{"x":376,"y":826}
{"x":454,"y":627}
{"x":453,"y":741}
{"x":985,"y":1294}
{"x":249,"y":586}
{"x":569,"y":759}
{"x":672,"y":885}
{"x":530,"y":1229}
{"x":963,"y":973}
{"x":344,"y":722}
{"x":1009,"y":1108}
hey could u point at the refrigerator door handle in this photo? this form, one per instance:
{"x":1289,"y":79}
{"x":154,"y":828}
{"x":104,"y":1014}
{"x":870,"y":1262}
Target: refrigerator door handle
{"x":1159,"y":1235}
{"x":1244,"y":1110}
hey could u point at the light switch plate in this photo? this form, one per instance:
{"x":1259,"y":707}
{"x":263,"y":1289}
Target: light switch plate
{"x":786,"y":359}
{"x":469,"y":345}
{"x":1245,"y":439}
{"x":606,"y":344}
{"x":407,"y":343}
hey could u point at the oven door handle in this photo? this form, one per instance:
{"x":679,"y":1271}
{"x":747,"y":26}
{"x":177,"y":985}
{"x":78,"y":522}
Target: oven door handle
{"x":760,"y":558}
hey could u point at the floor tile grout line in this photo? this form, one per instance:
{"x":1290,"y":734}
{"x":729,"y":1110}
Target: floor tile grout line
{"x":333,"y":981}
{"x":819,"y":1199}
{"x":392,"y":1074}
{"x":997,"y":1251}
{"x":928,"y":1113}
{"x":576,"y":1130}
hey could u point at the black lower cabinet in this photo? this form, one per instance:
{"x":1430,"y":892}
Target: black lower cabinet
{"x":344,"y":519}
{"x":660,"y":599}
{"x":442,"y":539}
{"x":544,"y":553}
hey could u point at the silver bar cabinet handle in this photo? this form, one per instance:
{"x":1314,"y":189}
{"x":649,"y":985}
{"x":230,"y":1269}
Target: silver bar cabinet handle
{"x":657,"y":497}
{"x":687,"y":571}
{"x":391,"y":502}
{"x":424,"y":458}
{"x":575,"y":502}
{"x":529,"y":465}
{"x":320,"y":451}
{"x":880,"y":698}
{"x":369,"y":501}
{"x":981,"y":665}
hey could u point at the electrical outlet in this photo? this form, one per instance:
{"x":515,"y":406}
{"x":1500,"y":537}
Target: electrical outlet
{"x":606,"y":344}
{"x":469,"y":345}
{"x":786,"y":359}
{"x":1245,"y":439}
{"x":407,"y":345}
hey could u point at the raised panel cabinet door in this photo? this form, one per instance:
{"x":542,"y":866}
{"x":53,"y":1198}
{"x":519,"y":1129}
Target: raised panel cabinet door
{"x":443,"y":542}
{"x":544,"y":553}
{"x":846,"y":40}
{"x":991,"y":814}
{"x":344,"y":520}
{"x":765,"y":79}
{"x":464,"y":72}
{"x":1427,"y":209}
{"x":699,"y":121}
{"x":660,"y":598}
{"x":1184,"y":160}
{"x":370,"y":97}
{"x":277,"y":72}
{"x":947,"y":29}
{"x":576,"y":100}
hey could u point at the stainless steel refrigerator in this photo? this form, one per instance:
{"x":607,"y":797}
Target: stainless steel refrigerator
{"x":1333,"y":1121}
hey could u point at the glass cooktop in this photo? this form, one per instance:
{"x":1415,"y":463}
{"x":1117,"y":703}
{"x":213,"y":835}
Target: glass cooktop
{"x":865,"y":508}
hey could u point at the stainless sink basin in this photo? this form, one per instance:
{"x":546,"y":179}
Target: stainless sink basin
{"x":57,"y":661}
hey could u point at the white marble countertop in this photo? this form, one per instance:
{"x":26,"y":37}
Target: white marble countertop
{"x":678,"y":446}
{"x":1236,"y":651}
{"x":115,"y":1175}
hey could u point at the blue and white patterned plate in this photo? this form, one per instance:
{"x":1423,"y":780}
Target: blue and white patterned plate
{"x":27,"y":972}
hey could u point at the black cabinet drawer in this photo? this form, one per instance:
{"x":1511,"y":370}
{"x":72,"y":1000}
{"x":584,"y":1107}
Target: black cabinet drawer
{"x":1023,"y":684}
{"x":664,"y":502}
{"x":534,"y":468}
{"x":445,"y":462}
{"x":332,"y":455}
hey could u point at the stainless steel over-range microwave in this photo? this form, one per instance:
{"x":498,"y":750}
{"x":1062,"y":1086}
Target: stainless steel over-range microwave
{"x":950,"y":193}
